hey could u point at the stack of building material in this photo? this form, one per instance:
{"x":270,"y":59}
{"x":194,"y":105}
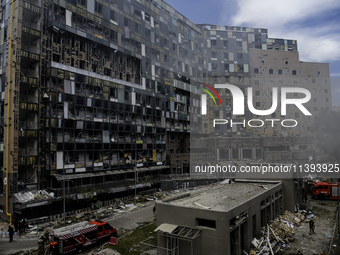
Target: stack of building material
{"x":24,"y":197}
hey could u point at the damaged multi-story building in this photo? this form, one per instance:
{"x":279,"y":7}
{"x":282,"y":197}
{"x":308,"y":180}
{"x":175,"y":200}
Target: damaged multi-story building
{"x":99,"y":97}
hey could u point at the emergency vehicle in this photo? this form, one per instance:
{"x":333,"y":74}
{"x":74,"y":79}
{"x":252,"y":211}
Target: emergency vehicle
{"x":325,"y":190}
{"x":73,"y":238}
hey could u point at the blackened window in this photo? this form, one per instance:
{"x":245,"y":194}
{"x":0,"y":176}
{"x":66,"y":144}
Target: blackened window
{"x":147,"y":32}
{"x":271,"y":71}
{"x":82,"y":2}
{"x":206,"y":223}
{"x":113,"y":35}
{"x":213,"y":43}
{"x":174,"y":46}
{"x":127,"y":95}
{"x":98,"y":7}
{"x":279,"y":71}
{"x":137,"y":27}
{"x":113,"y":15}
{"x":126,"y":22}
{"x":147,"y":17}
{"x":293,"y":72}
{"x":256,"y":70}
{"x":138,"y":14}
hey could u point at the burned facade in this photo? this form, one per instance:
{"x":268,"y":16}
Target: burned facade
{"x":98,"y":94}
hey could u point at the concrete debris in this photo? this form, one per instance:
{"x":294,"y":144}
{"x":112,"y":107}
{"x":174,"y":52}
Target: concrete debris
{"x":226,"y":181}
{"x":202,"y":206}
{"x":130,"y":207}
{"x":280,"y":233}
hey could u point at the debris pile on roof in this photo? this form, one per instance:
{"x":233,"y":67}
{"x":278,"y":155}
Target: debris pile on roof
{"x":24,"y":197}
{"x":279,"y":233}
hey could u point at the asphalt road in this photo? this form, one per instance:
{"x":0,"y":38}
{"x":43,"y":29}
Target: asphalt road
{"x":18,"y":244}
{"x":127,"y":221}
{"x":130,"y":220}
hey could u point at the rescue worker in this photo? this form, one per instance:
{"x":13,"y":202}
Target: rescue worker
{"x":54,"y":248}
{"x":10,"y":232}
{"x":41,"y":248}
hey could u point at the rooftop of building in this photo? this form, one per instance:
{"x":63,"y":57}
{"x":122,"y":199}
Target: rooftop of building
{"x":224,"y":196}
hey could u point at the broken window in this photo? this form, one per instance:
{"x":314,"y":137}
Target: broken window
{"x":98,"y":7}
{"x":113,"y":16}
{"x":138,"y":14}
{"x":127,"y":95}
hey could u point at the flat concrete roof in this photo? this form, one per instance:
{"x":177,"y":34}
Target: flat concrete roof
{"x":223,"y":197}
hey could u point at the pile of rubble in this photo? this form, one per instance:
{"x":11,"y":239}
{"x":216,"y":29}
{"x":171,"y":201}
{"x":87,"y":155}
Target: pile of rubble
{"x":279,"y":233}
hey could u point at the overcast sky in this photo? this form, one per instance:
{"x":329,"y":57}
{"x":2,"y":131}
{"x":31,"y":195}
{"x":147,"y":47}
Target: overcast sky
{"x":314,"y":24}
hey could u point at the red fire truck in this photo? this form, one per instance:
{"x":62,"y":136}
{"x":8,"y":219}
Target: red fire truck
{"x":73,"y":238}
{"x":325,"y":190}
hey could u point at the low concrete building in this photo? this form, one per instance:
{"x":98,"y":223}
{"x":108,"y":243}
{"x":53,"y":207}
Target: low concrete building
{"x":219,"y":219}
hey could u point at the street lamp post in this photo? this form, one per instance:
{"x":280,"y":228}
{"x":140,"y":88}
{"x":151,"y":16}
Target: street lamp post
{"x":337,"y":185}
{"x":136,"y":180}
{"x":64,"y":214}
{"x":135,"y":185}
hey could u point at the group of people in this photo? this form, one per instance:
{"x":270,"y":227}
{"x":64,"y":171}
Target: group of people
{"x":19,"y":227}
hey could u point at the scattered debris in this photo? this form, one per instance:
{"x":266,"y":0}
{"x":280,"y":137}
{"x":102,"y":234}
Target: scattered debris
{"x":280,"y":232}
